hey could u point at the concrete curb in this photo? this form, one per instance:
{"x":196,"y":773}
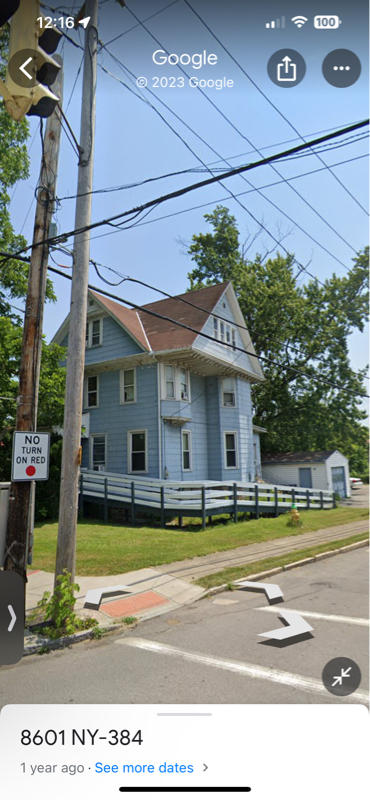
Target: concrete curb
{"x":259,"y":576}
{"x":67,"y":641}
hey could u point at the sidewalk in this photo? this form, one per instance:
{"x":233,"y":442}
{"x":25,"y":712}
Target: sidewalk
{"x":157,"y":590}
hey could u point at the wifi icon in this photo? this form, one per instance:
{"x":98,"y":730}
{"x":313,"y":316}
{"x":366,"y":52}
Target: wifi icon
{"x":299,"y":21}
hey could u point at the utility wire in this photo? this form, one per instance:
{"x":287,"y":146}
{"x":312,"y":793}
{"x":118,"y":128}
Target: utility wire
{"x":185,"y":301}
{"x":213,"y":169}
{"x":296,"y":224}
{"x":229,"y":122}
{"x":187,"y":189}
{"x":211,"y":338}
{"x":268,"y":99}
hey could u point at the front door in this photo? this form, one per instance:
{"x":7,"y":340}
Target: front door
{"x":305,"y":477}
{"x":339,"y":481}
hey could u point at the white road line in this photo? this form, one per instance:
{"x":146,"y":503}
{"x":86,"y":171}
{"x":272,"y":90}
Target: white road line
{"x":316,"y":615}
{"x":250,"y":670}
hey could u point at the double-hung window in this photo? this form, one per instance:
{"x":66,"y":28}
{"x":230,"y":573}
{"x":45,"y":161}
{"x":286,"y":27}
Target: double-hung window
{"x":186,"y":451}
{"x":228,"y":392}
{"x":93,"y":332}
{"x":128,"y":386}
{"x":170,"y":381}
{"x":98,"y":451}
{"x":231,"y":453}
{"x":92,"y":391}
{"x":137,"y":451}
{"x":184,"y":390}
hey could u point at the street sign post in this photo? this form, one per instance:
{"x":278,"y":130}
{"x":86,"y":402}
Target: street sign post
{"x":30,"y":456}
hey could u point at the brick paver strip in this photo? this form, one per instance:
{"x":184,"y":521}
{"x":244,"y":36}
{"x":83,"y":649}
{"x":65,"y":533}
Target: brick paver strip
{"x":133,"y":605}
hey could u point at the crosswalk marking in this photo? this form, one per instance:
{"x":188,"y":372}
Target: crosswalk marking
{"x":240,"y":667}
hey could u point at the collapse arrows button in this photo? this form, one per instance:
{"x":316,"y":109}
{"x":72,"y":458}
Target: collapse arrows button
{"x":272,"y":590}
{"x":296,"y":626}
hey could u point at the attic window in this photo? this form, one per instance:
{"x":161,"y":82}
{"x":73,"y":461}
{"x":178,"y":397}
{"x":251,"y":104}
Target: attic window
{"x":93,"y":333}
{"x":91,"y":302}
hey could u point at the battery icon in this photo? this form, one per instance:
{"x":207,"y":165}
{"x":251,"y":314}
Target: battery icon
{"x":327,"y":22}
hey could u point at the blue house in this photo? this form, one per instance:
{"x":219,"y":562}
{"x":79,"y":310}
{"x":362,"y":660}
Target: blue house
{"x":163,"y":401}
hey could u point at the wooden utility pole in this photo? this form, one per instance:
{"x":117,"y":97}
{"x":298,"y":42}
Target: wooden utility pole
{"x":26,"y":420}
{"x":66,"y":546}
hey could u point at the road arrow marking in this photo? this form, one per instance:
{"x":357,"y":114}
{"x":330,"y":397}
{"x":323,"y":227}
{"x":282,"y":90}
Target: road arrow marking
{"x":296,"y":626}
{"x":272,"y":590}
{"x":22,"y":68}
{"x":84,"y":22}
{"x":343,"y":674}
{"x":94,"y":596}
{"x":13,"y":618}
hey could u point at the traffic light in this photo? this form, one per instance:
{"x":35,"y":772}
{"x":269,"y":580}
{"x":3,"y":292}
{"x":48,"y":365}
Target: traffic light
{"x":9,"y":7}
{"x":31,"y":69}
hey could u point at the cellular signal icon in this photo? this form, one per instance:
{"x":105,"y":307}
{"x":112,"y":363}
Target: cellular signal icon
{"x":299,"y":21}
{"x":279,"y":23}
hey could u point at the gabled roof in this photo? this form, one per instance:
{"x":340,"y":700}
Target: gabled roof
{"x":165,"y":335}
{"x":154,"y":334}
{"x":302,"y":456}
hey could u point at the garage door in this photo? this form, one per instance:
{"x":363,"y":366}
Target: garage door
{"x":339,"y":481}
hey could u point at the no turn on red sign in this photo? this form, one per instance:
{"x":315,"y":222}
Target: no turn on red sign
{"x":30,"y":456}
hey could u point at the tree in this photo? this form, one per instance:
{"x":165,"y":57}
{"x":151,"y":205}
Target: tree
{"x":14,"y":166}
{"x":302,"y":329}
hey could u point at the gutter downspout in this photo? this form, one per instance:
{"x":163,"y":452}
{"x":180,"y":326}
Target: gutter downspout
{"x":159,"y":422}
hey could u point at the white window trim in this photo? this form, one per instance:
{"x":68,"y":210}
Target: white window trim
{"x":228,"y":328}
{"x":91,"y":462}
{"x":86,"y":393}
{"x":89,"y":323}
{"x":177,"y":383}
{"x":234,"y":433}
{"x":187,"y":381}
{"x":187,"y":469}
{"x":129,"y":452}
{"x":164,"y":382}
{"x":225,"y":405}
{"x":124,"y":402}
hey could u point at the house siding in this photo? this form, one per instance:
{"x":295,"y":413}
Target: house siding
{"x":116,"y":343}
{"x":197,"y":425}
{"x":116,"y":419}
{"x":216,"y":348}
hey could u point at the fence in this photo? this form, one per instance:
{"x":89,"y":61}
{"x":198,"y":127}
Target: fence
{"x":168,"y":499}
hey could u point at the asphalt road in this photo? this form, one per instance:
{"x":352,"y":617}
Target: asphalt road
{"x":210,"y":651}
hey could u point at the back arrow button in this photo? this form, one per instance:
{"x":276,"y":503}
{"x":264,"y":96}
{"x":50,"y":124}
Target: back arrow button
{"x":23,"y":69}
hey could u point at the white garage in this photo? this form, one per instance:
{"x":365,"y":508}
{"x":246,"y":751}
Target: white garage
{"x":322,"y":469}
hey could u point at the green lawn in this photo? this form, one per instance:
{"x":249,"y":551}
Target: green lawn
{"x":104,"y":549}
{"x":234,"y":573}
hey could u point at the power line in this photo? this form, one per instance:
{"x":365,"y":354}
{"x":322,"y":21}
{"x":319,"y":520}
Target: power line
{"x":243,"y":178}
{"x":187,"y":189}
{"x":238,"y":194}
{"x":211,"y":338}
{"x":268,"y":100}
{"x":146,"y":20}
{"x":210,"y":167}
{"x":229,"y":122}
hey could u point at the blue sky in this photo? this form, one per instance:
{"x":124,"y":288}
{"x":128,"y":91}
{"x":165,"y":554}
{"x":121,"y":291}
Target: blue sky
{"x":133,"y":143}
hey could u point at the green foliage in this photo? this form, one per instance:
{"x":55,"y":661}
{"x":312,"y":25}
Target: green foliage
{"x":58,"y":608}
{"x":305,"y":327}
{"x":47,"y":492}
